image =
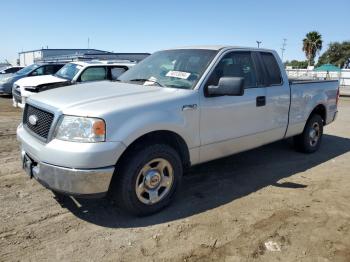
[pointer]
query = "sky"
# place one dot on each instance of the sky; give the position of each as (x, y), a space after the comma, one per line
(148, 26)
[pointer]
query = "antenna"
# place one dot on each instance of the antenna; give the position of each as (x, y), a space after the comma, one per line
(258, 42)
(284, 44)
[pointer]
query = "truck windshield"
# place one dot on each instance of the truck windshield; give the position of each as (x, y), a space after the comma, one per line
(68, 71)
(27, 69)
(181, 68)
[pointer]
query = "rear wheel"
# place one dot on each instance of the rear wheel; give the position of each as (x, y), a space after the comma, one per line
(148, 179)
(310, 140)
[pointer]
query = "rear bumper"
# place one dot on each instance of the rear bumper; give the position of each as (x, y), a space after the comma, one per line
(86, 183)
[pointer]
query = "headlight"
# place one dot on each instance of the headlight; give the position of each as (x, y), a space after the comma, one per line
(81, 129)
(4, 80)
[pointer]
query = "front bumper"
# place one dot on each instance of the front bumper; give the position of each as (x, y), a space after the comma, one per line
(86, 183)
(17, 102)
(78, 169)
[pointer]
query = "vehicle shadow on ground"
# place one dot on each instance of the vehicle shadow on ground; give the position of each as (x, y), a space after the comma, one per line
(216, 183)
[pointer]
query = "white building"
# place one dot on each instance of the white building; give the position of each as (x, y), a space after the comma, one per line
(30, 57)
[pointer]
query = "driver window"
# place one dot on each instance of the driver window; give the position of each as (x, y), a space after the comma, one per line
(235, 64)
(39, 71)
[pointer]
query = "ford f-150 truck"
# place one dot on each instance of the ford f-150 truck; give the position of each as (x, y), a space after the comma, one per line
(133, 138)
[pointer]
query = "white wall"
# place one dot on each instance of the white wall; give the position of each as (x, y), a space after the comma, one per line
(27, 58)
(343, 76)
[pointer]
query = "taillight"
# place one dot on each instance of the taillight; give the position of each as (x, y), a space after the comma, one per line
(337, 99)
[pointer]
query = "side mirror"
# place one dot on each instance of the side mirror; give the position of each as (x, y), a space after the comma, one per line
(35, 73)
(228, 86)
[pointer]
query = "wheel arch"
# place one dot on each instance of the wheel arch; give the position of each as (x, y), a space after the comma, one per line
(321, 110)
(167, 137)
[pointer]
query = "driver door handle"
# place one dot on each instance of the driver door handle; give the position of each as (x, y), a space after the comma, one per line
(189, 107)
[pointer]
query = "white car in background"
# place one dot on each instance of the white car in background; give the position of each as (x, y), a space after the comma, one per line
(70, 74)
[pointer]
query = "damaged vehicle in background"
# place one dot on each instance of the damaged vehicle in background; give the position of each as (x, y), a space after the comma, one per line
(38, 69)
(72, 73)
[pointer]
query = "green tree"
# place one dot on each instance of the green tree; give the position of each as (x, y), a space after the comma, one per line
(336, 54)
(312, 44)
(297, 64)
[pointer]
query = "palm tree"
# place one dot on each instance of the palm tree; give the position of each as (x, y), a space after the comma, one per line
(312, 44)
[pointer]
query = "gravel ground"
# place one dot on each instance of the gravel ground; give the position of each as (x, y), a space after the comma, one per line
(228, 210)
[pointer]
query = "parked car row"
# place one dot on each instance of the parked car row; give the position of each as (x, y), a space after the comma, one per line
(23, 82)
(9, 70)
(132, 139)
(70, 74)
(6, 83)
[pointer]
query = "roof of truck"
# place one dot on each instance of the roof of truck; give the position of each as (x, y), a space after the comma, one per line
(219, 47)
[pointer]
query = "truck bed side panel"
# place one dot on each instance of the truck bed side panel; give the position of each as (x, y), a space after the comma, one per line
(305, 96)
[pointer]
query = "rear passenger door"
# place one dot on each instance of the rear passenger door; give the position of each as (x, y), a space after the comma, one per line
(115, 72)
(277, 95)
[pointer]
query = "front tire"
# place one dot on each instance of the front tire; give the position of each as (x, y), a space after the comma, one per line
(310, 140)
(148, 179)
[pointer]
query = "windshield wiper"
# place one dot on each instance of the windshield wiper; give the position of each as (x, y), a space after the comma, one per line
(145, 80)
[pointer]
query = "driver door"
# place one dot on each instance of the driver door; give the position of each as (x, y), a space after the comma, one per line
(230, 124)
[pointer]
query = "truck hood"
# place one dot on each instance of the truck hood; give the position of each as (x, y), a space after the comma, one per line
(39, 80)
(100, 98)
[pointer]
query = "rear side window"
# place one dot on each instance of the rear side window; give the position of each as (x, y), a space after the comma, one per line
(12, 70)
(50, 69)
(94, 74)
(117, 72)
(39, 71)
(272, 68)
(58, 67)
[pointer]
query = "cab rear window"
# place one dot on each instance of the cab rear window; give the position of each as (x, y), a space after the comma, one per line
(272, 68)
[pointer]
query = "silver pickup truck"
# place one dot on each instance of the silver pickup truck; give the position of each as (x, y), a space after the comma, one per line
(180, 107)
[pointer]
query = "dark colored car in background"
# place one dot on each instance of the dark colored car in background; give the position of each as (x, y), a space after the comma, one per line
(31, 70)
(10, 70)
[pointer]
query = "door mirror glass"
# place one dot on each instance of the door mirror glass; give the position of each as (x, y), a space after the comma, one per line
(227, 86)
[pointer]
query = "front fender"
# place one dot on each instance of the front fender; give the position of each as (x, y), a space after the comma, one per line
(131, 125)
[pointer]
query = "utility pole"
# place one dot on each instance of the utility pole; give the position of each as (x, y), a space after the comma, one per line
(258, 42)
(283, 48)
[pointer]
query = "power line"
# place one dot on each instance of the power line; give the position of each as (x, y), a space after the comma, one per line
(283, 49)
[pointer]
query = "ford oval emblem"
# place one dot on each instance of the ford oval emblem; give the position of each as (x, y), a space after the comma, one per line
(33, 120)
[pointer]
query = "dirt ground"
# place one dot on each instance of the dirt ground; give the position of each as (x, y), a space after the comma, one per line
(226, 211)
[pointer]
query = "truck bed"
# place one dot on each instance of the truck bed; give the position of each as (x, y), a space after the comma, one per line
(295, 81)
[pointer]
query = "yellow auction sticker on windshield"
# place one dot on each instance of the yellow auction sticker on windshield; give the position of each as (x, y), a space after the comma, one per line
(178, 74)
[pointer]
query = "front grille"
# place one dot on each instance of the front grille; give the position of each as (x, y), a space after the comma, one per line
(43, 123)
